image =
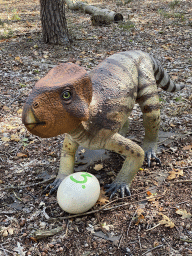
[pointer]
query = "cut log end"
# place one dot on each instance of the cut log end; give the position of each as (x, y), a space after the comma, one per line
(118, 17)
(102, 20)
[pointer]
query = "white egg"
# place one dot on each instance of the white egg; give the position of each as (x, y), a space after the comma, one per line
(78, 192)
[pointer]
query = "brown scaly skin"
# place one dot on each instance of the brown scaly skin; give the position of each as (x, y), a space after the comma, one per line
(93, 109)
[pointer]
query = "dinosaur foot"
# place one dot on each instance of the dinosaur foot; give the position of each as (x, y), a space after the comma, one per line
(149, 155)
(52, 187)
(114, 187)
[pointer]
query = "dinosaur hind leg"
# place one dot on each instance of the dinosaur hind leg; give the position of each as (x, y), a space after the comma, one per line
(148, 100)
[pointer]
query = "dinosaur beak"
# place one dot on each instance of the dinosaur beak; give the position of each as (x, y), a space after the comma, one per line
(28, 118)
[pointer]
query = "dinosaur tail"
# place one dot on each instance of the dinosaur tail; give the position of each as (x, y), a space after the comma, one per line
(162, 78)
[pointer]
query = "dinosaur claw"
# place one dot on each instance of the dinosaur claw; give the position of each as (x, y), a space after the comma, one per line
(115, 187)
(151, 155)
(53, 186)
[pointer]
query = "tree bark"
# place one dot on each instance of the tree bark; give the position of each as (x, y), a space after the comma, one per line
(54, 25)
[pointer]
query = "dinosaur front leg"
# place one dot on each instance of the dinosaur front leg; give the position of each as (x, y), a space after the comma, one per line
(124, 128)
(67, 161)
(134, 159)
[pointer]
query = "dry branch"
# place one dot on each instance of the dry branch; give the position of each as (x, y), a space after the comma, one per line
(99, 16)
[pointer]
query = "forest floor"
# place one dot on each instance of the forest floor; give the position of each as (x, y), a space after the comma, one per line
(156, 219)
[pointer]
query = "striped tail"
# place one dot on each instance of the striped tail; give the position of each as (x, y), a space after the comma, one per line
(162, 78)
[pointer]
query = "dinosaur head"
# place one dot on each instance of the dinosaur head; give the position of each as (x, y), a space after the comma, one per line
(59, 101)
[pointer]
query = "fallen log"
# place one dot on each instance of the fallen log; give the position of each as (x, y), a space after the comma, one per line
(99, 16)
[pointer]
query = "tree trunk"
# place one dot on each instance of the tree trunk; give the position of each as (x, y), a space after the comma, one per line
(54, 25)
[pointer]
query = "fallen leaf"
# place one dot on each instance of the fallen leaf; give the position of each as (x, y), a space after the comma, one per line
(107, 227)
(181, 163)
(6, 108)
(166, 221)
(169, 58)
(155, 244)
(139, 211)
(184, 213)
(28, 24)
(103, 199)
(151, 198)
(15, 137)
(5, 233)
(98, 167)
(188, 147)
(17, 58)
(19, 111)
(10, 230)
(165, 47)
(149, 193)
(5, 139)
(21, 155)
(139, 218)
(175, 174)
(156, 204)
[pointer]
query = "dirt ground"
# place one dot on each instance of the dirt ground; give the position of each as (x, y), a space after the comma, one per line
(156, 219)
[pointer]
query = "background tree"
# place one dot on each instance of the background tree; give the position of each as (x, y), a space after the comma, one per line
(54, 25)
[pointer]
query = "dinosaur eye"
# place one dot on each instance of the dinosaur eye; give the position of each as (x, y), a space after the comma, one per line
(66, 95)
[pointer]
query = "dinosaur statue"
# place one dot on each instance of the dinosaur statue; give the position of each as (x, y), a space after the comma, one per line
(92, 109)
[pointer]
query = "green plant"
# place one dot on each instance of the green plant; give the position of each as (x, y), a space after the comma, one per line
(161, 100)
(15, 15)
(126, 25)
(178, 98)
(179, 16)
(1, 23)
(174, 3)
(25, 142)
(22, 85)
(6, 34)
(168, 15)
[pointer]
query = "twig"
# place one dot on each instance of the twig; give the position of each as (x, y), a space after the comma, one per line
(39, 234)
(5, 250)
(30, 185)
(16, 196)
(120, 239)
(139, 237)
(131, 197)
(153, 227)
(98, 210)
(67, 228)
(130, 223)
(184, 167)
(7, 213)
(182, 181)
(184, 202)
(159, 246)
(185, 240)
(161, 142)
(102, 228)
